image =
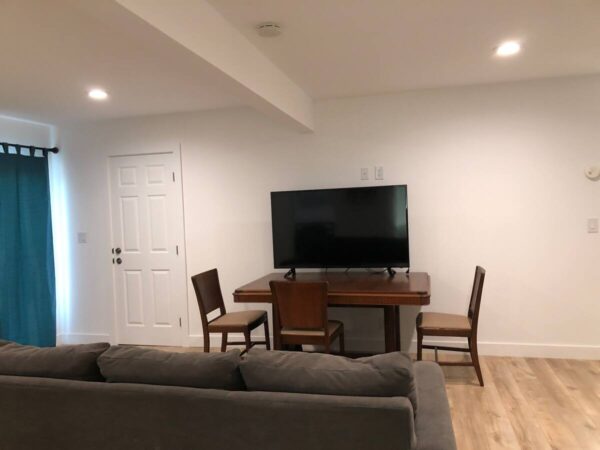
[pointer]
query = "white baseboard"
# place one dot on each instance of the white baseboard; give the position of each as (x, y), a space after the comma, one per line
(485, 348)
(527, 350)
(359, 345)
(197, 340)
(517, 349)
(81, 338)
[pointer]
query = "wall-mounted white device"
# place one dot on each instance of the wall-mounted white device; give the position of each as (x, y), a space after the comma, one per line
(593, 173)
(268, 29)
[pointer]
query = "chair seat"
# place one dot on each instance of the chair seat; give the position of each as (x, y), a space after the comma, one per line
(333, 325)
(441, 321)
(238, 320)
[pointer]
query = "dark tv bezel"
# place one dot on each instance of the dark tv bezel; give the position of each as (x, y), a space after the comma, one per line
(395, 264)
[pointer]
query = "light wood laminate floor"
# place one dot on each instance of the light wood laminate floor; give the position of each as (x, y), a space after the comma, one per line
(526, 404)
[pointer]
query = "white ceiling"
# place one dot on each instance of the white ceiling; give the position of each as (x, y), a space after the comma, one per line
(53, 51)
(336, 48)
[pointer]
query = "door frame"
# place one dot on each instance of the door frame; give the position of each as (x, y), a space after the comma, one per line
(182, 305)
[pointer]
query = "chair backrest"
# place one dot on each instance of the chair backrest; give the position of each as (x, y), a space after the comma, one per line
(300, 305)
(208, 293)
(475, 302)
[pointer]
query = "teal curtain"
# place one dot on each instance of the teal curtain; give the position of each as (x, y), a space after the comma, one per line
(27, 290)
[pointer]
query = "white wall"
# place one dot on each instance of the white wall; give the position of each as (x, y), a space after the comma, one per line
(18, 131)
(495, 177)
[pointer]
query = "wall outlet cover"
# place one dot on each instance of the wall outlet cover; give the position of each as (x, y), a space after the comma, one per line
(364, 173)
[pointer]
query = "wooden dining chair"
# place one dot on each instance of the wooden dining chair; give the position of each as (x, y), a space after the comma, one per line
(210, 298)
(301, 309)
(440, 324)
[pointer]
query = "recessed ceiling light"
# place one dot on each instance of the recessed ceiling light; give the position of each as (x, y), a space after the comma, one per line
(268, 29)
(98, 94)
(508, 48)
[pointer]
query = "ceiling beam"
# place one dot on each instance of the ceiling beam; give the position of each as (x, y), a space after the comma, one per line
(245, 71)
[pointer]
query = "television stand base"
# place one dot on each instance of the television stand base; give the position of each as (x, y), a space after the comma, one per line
(391, 272)
(291, 274)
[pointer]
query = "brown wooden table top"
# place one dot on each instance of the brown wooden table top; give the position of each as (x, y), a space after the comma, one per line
(352, 288)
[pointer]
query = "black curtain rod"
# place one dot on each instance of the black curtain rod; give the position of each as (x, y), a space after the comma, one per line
(32, 148)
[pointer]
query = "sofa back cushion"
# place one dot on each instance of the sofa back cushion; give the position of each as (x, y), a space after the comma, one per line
(148, 366)
(386, 375)
(69, 362)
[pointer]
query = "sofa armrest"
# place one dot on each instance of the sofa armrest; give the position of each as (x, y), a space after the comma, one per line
(433, 422)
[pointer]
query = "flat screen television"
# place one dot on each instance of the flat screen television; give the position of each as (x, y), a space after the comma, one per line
(341, 228)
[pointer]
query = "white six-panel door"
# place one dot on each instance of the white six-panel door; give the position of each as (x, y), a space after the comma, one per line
(149, 265)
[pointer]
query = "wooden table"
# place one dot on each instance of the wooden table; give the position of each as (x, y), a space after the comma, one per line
(354, 289)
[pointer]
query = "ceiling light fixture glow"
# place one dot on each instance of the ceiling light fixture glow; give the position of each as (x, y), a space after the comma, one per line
(508, 48)
(98, 94)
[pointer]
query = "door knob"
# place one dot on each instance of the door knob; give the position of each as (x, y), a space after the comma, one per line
(118, 250)
(119, 260)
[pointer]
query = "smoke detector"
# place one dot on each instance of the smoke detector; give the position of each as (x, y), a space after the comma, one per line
(593, 173)
(268, 29)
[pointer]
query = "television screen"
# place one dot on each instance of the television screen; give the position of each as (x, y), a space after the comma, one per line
(340, 228)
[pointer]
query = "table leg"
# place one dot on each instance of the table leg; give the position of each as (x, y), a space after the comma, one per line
(397, 326)
(276, 330)
(392, 328)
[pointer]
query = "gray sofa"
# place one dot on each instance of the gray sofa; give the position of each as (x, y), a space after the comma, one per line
(53, 413)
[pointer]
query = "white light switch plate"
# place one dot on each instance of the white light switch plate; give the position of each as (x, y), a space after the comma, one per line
(379, 172)
(592, 226)
(364, 173)
(81, 238)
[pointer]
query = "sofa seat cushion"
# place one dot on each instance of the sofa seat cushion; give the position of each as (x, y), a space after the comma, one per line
(386, 375)
(69, 362)
(124, 364)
